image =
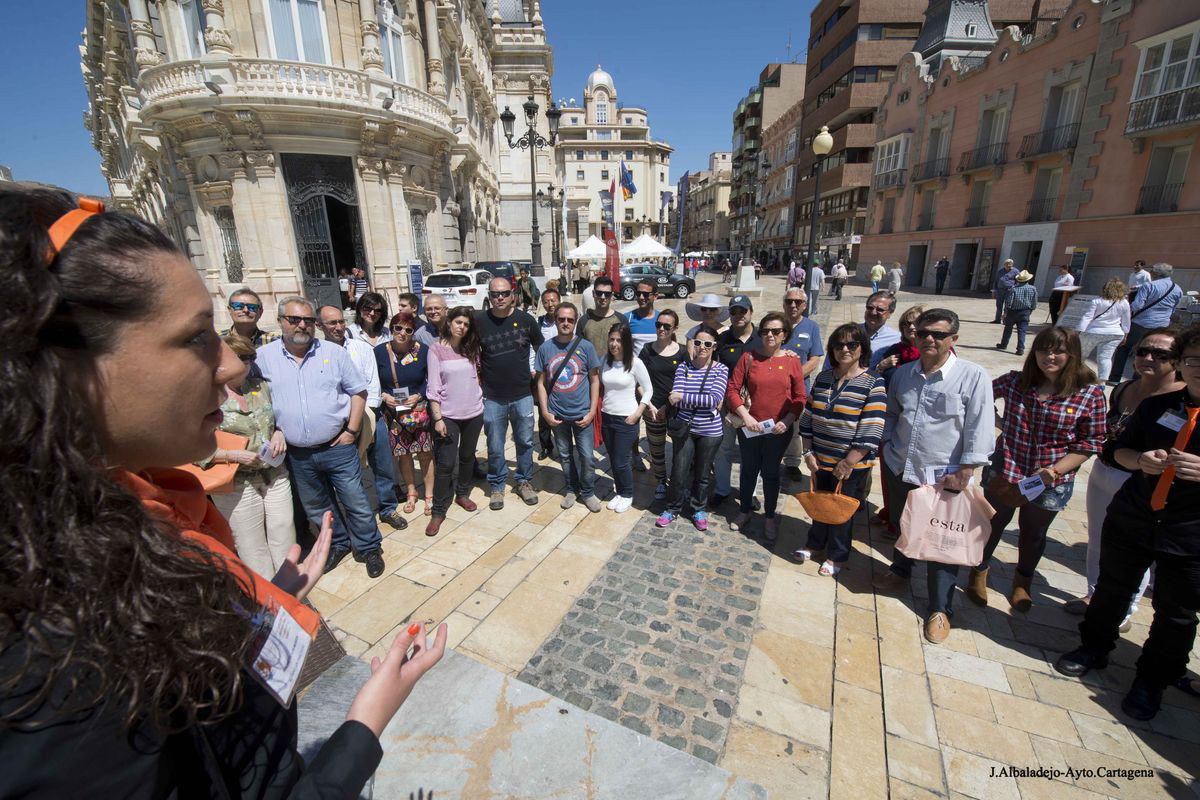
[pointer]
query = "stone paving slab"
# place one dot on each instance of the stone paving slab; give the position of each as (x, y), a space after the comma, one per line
(468, 731)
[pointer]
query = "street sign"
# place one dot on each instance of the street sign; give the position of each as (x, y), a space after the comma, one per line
(416, 282)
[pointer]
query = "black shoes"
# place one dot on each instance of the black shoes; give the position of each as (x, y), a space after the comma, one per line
(1080, 662)
(716, 500)
(336, 554)
(373, 560)
(1143, 700)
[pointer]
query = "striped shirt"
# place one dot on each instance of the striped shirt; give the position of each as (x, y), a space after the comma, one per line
(838, 420)
(703, 410)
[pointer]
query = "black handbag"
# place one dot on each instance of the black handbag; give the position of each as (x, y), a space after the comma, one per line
(678, 426)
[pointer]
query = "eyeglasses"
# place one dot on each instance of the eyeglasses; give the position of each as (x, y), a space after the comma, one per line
(664, 326)
(402, 329)
(500, 293)
(852, 346)
(253, 308)
(645, 294)
(788, 301)
(739, 311)
(1191, 361)
(297, 321)
(598, 293)
(939, 335)
(704, 344)
(771, 331)
(878, 310)
(562, 320)
(1156, 353)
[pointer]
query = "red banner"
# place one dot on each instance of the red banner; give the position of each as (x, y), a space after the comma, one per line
(612, 261)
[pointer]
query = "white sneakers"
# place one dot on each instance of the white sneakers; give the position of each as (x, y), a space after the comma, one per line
(620, 504)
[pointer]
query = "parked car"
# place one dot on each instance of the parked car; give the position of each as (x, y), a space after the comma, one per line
(511, 270)
(460, 287)
(669, 283)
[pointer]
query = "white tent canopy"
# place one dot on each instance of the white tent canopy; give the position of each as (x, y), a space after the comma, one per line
(591, 249)
(645, 246)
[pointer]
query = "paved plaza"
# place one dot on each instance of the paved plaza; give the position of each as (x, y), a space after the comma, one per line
(722, 648)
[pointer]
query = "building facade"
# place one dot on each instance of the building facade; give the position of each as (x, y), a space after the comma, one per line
(706, 210)
(1075, 141)
(283, 142)
(595, 136)
(775, 215)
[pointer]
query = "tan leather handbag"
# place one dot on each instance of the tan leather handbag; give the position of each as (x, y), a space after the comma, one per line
(832, 508)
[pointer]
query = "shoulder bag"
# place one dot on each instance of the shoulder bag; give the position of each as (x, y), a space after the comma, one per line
(563, 364)
(677, 425)
(1157, 300)
(411, 419)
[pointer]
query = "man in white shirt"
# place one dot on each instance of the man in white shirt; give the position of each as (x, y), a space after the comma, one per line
(840, 276)
(1138, 278)
(816, 279)
(939, 428)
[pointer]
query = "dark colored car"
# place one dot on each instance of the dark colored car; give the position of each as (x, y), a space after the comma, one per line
(499, 269)
(669, 283)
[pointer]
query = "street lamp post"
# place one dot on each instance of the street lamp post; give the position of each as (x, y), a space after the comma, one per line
(822, 144)
(533, 141)
(550, 199)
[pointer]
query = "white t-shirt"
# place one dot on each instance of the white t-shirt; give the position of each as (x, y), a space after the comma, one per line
(816, 278)
(620, 399)
(1063, 281)
(1139, 278)
(1106, 318)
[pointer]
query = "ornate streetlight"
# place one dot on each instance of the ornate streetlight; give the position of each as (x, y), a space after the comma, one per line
(533, 141)
(822, 144)
(551, 199)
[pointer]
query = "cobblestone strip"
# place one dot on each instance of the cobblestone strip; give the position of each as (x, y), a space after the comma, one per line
(658, 642)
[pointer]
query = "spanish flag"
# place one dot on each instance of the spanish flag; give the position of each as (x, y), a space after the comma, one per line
(628, 190)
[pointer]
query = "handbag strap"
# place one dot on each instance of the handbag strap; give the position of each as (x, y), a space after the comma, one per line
(703, 383)
(563, 364)
(1157, 300)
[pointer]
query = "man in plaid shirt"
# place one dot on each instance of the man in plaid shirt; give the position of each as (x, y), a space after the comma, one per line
(1022, 300)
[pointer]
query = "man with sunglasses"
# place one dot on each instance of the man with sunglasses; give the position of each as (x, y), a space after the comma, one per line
(319, 398)
(939, 428)
(246, 309)
(641, 319)
(506, 336)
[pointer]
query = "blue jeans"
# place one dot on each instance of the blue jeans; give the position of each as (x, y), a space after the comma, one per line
(940, 578)
(1018, 318)
(496, 417)
(576, 454)
(874, 286)
(723, 462)
(330, 479)
(379, 459)
(813, 295)
(619, 437)
(1001, 299)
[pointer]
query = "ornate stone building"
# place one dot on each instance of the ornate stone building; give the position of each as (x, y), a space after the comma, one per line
(706, 210)
(282, 142)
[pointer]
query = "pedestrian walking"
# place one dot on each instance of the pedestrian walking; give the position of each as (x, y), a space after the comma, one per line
(816, 279)
(795, 276)
(623, 378)
(877, 273)
(1006, 279)
(895, 278)
(1151, 308)
(662, 358)
(1054, 420)
(941, 271)
(726, 269)
(1022, 300)
(840, 278)
(1105, 324)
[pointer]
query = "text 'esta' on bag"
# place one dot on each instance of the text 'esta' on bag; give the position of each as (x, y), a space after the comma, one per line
(945, 527)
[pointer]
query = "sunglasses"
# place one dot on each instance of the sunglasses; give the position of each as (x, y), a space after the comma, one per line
(501, 293)
(561, 320)
(372, 310)
(402, 329)
(664, 326)
(300, 320)
(847, 346)
(705, 345)
(598, 293)
(794, 302)
(938, 335)
(737, 312)
(645, 294)
(1156, 353)
(771, 331)
(253, 308)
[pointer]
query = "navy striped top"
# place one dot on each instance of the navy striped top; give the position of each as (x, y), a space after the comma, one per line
(704, 410)
(837, 420)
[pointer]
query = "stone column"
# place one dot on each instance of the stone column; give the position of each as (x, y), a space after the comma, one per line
(216, 38)
(372, 56)
(433, 52)
(400, 222)
(145, 49)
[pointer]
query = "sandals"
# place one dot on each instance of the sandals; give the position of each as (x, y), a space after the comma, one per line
(829, 569)
(410, 504)
(428, 504)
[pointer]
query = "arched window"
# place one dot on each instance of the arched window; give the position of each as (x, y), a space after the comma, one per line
(391, 40)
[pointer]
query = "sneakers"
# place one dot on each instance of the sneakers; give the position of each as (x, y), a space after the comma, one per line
(623, 504)
(568, 500)
(1001, 347)
(394, 519)
(497, 500)
(700, 520)
(336, 554)
(665, 519)
(1080, 662)
(612, 502)
(527, 493)
(660, 491)
(374, 562)
(937, 628)
(1143, 700)
(593, 504)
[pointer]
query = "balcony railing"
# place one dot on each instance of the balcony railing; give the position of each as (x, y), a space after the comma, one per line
(1050, 140)
(976, 216)
(1172, 108)
(1041, 210)
(986, 156)
(928, 170)
(925, 221)
(894, 177)
(1159, 199)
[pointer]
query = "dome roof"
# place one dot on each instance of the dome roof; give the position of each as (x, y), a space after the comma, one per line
(600, 78)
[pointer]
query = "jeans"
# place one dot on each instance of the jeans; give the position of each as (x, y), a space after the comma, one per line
(619, 437)
(1103, 345)
(835, 539)
(1103, 485)
(259, 510)
(544, 431)
(330, 479)
(940, 578)
(382, 464)
(762, 454)
(723, 462)
(1033, 522)
(813, 295)
(454, 460)
(656, 439)
(1125, 555)
(1001, 299)
(1020, 319)
(496, 417)
(576, 453)
(874, 286)
(1136, 332)
(693, 459)
(941, 281)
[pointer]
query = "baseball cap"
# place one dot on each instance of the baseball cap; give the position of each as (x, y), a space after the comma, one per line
(741, 301)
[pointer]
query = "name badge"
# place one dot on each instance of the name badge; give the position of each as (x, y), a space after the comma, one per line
(1172, 420)
(277, 663)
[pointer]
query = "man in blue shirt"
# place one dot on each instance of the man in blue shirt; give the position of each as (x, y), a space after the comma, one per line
(1151, 308)
(642, 319)
(1006, 278)
(805, 342)
(319, 398)
(568, 390)
(880, 307)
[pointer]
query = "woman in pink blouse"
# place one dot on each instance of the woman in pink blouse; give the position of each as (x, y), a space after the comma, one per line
(456, 405)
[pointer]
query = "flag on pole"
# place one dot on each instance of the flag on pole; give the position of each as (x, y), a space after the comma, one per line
(628, 190)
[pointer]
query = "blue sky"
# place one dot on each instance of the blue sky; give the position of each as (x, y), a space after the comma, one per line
(688, 63)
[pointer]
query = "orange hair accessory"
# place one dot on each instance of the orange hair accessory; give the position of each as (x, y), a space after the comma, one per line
(66, 225)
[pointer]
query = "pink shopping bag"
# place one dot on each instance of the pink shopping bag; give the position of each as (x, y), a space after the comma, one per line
(946, 527)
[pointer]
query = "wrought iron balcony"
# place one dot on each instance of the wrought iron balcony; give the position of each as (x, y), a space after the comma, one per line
(1159, 199)
(1041, 210)
(925, 221)
(976, 216)
(986, 156)
(928, 170)
(894, 177)
(1050, 140)
(1172, 108)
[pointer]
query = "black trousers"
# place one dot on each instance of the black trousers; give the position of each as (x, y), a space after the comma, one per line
(454, 459)
(1126, 552)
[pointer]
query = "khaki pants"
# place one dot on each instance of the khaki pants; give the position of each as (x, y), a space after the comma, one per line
(259, 510)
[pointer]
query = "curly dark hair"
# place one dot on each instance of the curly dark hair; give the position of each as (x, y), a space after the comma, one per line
(470, 345)
(100, 604)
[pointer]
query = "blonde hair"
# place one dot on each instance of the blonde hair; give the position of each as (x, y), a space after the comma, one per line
(911, 315)
(1114, 289)
(240, 345)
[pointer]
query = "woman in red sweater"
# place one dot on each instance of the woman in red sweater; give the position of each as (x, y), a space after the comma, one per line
(766, 395)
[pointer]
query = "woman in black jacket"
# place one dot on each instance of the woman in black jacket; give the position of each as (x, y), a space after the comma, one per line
(139, 657)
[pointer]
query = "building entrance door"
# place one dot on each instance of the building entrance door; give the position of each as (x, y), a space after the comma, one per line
(914, 271)
(324, 206)
(962, 266)
(1025, 255)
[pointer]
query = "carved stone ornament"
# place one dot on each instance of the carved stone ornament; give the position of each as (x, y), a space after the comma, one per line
(371, 57)
(213, 6)
(218, 39)
(215, 194)
(261, 161)
(396, 141)
(253, 125)
(232, 163)
(370, 166)
(215, 120)
(396, 168)
(452, 208)
(418, 176)
(146, 58)
(370, 129)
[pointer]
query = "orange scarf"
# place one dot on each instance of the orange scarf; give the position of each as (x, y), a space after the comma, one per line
(177, 498)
